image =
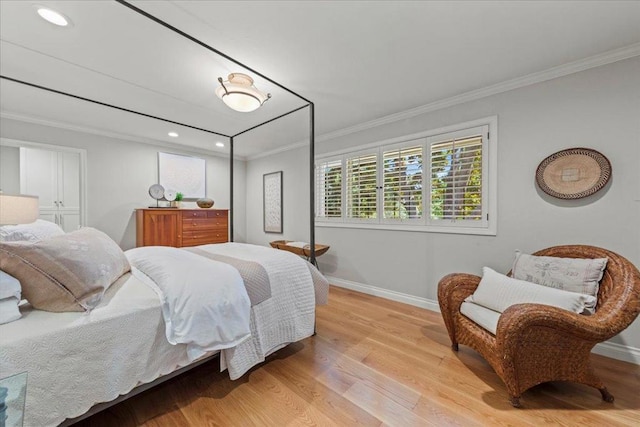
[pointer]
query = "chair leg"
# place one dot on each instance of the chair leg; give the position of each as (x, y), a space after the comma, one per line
(606, 396)
(515, 401)
(454, 346)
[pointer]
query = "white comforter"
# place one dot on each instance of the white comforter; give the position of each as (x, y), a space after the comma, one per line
(204, 301)
(75, 360)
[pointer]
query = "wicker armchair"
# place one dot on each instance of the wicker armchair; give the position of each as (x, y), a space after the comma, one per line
(537, 343)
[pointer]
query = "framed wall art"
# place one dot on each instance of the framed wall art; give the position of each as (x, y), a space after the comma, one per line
(272, 202)
(184, 174)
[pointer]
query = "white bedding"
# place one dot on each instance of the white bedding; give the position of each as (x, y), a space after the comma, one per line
(75, 360)
(288, 316)
(204, 302)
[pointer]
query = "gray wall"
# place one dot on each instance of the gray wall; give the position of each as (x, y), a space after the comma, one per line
(10, 170)
(597, 108)
(294, 165)
(120, 172)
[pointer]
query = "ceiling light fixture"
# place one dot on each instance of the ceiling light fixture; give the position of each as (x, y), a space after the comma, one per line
(220, 144)
(54, 17)
(173, 134)
(239, 93)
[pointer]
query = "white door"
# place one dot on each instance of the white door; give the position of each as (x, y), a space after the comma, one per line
(69, 221)
(69, 181)
(39, 176)
(51, 216)
(53, 176)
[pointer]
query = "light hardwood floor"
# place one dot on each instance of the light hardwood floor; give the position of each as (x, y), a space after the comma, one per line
(374, 362)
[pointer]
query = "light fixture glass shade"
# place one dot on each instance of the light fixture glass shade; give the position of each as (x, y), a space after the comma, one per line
(239, 93)
(18, 209)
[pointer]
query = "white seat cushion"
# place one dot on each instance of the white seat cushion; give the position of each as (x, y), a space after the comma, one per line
(484, 317)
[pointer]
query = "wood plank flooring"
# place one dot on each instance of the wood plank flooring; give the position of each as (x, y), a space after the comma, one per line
(374, 362)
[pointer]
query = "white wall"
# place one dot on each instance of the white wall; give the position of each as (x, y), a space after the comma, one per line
(597, 108)
(120, 172)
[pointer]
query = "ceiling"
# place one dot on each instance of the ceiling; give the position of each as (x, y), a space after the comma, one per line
(357, 61)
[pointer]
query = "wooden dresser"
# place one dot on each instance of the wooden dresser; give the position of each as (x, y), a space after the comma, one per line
(181, 227)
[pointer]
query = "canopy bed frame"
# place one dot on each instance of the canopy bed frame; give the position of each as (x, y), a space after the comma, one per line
(231, 138)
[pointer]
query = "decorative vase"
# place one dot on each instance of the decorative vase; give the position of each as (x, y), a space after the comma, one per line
(204, 203)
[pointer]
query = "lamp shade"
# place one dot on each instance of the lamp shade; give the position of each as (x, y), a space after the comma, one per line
(18, 209)
(239, 93)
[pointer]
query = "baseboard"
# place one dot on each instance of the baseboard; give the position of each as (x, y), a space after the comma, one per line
(618, 351)
(429, 304)
(608, 349)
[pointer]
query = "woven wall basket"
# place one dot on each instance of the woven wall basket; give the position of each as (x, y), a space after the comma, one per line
(573, 173)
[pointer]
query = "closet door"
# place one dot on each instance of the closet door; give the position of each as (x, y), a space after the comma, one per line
(69, 221)
(69, 182)
(39, 177)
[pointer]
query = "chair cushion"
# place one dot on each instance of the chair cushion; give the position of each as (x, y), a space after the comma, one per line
(568, 274)
(497, 292)
(488, 319)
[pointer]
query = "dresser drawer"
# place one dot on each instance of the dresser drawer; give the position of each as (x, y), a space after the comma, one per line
(191, 238)
(189, 224)
(204, 213)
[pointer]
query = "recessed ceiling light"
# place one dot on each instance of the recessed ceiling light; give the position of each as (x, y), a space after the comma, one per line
(220, 144)
(173, 134)
(54, 17)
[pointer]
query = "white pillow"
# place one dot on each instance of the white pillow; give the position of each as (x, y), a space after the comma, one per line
(34, 232)
(10, 292)
(9, 310)
(9, 286)
(568, 274)
(498, 292)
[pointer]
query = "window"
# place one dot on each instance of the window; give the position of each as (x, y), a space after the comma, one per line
(329, 189)
(362, 187)
(402, 183)
(456, 177)
(434, 181)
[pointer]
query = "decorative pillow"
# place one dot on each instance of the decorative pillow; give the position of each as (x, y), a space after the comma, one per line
(34, 232)
(65, 273)
(497, 292)
(568, 274)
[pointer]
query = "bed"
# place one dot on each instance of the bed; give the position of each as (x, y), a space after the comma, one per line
(76, 360)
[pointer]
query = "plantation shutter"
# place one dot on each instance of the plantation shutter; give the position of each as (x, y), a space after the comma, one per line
(402, 183)
(329, 189)
(361, 186)
(457, 189)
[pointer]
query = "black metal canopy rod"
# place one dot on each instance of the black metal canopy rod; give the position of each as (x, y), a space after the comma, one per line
(104, 104)
(271, 120)
(206, 46)
(312, 257)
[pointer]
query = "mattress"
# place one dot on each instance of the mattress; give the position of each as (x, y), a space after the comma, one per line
(75, 360)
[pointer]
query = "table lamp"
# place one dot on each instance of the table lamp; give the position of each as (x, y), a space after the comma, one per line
(18, 209)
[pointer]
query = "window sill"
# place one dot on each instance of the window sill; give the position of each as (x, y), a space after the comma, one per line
(414, 228)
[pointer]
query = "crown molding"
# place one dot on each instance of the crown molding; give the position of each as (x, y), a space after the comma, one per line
(115, 135)
(605, 58)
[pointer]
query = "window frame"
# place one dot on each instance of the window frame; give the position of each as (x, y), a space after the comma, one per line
(486, 226)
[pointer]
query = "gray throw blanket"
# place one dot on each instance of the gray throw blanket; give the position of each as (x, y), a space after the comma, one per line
(254, 276)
